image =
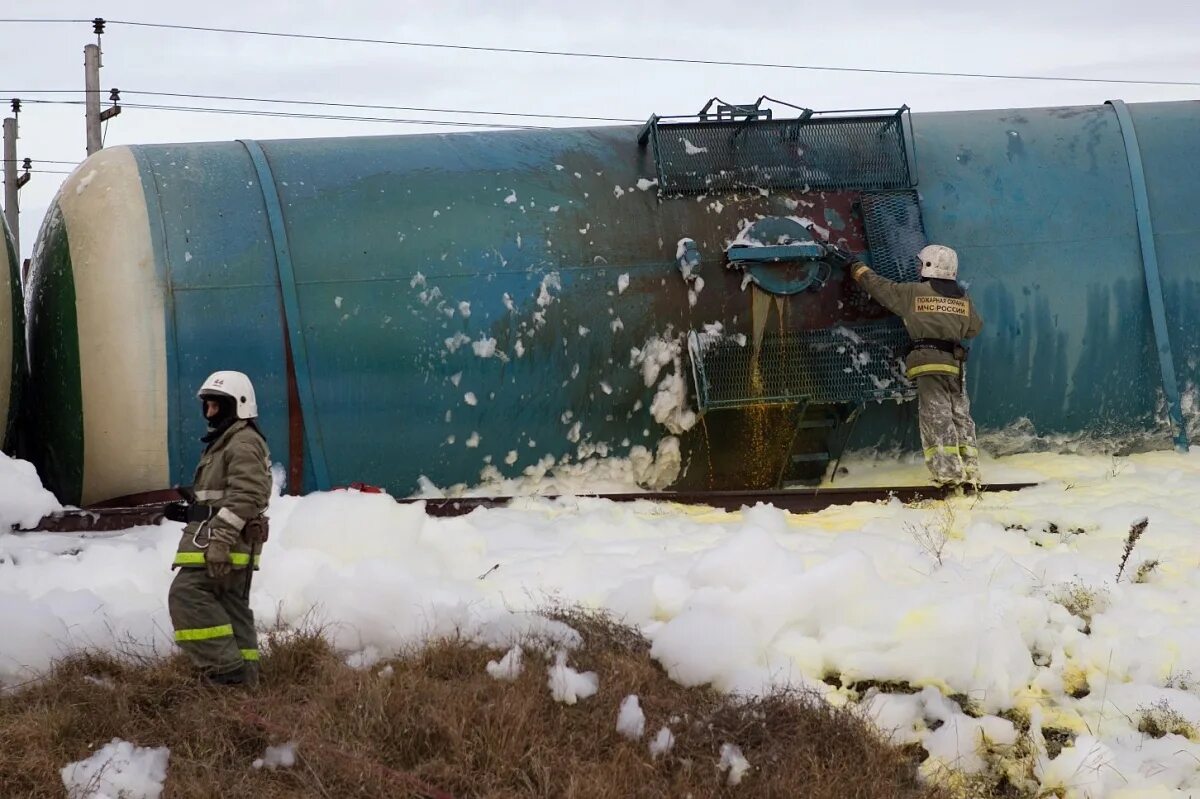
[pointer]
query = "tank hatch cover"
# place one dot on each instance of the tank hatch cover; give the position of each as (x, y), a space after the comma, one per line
(780, 256)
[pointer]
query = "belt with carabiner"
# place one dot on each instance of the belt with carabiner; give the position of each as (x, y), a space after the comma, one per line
(202, 514)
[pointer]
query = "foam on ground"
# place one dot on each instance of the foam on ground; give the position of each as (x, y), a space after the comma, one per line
(1009, 602)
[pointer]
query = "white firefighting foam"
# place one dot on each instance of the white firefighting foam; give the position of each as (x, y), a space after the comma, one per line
(1010, 602)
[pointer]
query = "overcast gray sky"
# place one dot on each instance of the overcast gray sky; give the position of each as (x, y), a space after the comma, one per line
(1098, 38)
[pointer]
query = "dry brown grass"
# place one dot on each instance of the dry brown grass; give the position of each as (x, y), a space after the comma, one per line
(438, 723)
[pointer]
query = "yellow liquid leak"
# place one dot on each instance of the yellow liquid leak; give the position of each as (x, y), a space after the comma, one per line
(770, 427)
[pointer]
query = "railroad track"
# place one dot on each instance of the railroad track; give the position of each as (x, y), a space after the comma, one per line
(806, 500)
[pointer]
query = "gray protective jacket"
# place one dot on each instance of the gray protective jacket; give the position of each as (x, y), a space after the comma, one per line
(926, 314)
(234, 480)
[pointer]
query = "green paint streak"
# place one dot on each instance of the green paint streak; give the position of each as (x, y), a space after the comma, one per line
(53, 430)
(16, 386)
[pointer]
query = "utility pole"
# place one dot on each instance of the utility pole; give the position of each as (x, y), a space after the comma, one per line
(10, 179)
(91, 85)
(12, 184)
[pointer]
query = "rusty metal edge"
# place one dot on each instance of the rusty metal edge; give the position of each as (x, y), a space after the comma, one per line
(797, 500)
(109, 519)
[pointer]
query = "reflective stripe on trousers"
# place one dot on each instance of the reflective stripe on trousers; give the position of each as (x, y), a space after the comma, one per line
(205, 633)
(964, 450)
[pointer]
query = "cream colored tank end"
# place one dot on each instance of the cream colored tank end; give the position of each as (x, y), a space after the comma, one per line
(120, 301)
(8, 334)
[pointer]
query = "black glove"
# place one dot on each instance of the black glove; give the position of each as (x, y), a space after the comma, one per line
(176, 512)
(837, 256)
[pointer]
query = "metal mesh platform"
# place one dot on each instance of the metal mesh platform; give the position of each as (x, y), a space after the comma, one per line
(835, 365)
(865, 152)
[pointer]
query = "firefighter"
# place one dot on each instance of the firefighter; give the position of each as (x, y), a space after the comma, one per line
(225, 527)
(938, 315)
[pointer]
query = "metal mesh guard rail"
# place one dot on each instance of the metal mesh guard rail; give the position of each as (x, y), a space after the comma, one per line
(834, 365)
(865, 153)
(895, 233)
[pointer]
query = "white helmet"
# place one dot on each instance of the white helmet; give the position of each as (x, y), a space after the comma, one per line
(939, 261)
(236, 386)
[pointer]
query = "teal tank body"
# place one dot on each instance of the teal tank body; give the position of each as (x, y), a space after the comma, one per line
(454, 305)
(1039, 205)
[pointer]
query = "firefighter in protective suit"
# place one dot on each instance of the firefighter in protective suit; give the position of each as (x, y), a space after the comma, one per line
(938, 315)
(225, 528)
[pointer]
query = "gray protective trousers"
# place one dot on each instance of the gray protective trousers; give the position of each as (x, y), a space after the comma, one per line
(947, 430)
(213, 624)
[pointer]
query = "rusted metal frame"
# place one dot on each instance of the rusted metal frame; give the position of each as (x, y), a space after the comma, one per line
(795, 500)
(295, 484)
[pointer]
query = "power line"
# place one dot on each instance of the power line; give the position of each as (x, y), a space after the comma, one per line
(46, 21)
(330, 104)
(379, 107)
(653, 59)
(336, 117)
(298, 115)
(624, 57)
(38, 161)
